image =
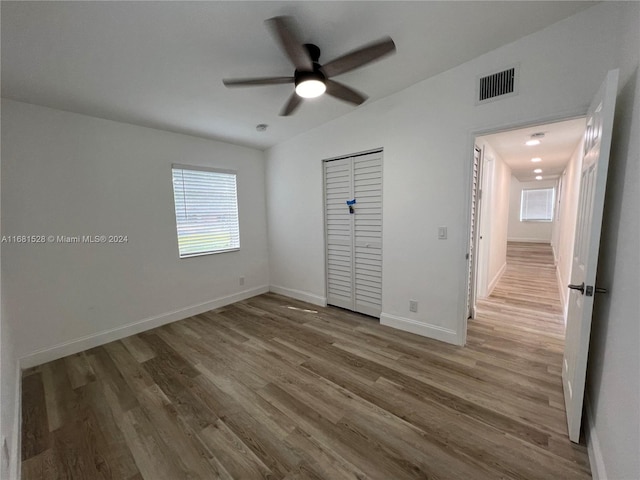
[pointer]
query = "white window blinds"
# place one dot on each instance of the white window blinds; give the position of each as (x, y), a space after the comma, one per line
(537, 205)
(206, 205)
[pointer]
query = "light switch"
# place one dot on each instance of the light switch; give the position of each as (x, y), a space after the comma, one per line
(442, 233)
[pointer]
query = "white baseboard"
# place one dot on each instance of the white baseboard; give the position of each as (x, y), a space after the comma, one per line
(496, 279)
(299, 295)
(596, 460)
(90, 341)
(420, 328)
(528, 240)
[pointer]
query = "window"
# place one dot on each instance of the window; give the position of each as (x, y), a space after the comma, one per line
(206, 204)
(536, 205)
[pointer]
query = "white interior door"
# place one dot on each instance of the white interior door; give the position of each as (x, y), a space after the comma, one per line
(354, 238)
(593, 181)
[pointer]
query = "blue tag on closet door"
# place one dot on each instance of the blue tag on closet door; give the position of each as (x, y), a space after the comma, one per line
(350, 204)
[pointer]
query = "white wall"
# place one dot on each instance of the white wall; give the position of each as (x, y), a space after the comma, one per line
(427, 133)
(494, 219)
(9, 392)
(69, 174)
(539, 232)
(564, 225)
(613, 383)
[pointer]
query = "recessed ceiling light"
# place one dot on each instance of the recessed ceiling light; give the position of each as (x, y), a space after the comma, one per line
(537, 170)
(536, 159)
(535, 139)
(539, 177)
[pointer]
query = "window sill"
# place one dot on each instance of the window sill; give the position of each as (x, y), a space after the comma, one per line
(191, 255)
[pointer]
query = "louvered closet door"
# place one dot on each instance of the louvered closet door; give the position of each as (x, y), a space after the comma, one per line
(367, 180)
(473, 240)
(354, 241)
(339, 233)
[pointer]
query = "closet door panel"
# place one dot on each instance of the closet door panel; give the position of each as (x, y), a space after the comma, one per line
(339, 233)
(367, 181)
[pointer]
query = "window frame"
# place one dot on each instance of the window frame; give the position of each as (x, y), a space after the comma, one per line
(552, 203)
(199, 168)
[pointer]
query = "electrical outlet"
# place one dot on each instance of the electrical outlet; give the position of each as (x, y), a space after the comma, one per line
(442, 233)
(413, 306)
(241, 281)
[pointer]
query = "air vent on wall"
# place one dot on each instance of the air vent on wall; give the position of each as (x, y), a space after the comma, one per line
(497, 85)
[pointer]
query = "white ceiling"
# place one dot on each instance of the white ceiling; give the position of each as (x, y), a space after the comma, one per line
(161, 64)
(556, 147)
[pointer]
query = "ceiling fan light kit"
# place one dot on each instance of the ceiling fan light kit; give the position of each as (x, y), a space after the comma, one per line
(311, 88)
(310, 84)
(310, 78)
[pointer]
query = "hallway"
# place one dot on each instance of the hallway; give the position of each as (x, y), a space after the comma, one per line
(527, 294)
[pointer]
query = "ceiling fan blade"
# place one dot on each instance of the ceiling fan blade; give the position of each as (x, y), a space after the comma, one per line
(248, 82)
(294, 102)
(359, 57)
(341, 91)
(283, 29)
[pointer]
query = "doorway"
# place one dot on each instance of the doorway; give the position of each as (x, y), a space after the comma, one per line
(525, 205)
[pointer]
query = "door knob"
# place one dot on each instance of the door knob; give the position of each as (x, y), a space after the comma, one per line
(578, 287)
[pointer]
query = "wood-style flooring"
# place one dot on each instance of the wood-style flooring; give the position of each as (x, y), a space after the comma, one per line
(275, 388)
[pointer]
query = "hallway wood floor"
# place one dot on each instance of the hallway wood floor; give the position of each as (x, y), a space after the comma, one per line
(275, 388)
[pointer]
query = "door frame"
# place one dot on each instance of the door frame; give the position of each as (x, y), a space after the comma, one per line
(468, 175)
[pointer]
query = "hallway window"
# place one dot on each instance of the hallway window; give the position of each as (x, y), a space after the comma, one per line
(536, 205)
(206, 203)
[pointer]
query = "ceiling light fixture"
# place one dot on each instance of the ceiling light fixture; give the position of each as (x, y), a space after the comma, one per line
(312, 79)
(310, 84)
(537, 170)
(536, 159)
(535, 139)
(539, 177)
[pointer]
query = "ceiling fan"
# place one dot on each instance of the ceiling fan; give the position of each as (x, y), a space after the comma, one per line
(311, 79)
